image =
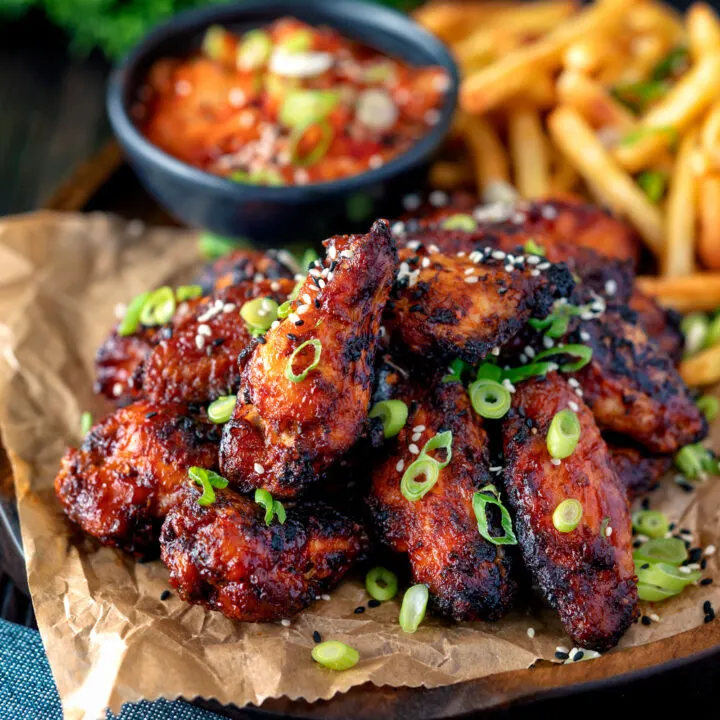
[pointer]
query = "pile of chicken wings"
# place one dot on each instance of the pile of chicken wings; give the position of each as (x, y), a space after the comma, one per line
(390, 311)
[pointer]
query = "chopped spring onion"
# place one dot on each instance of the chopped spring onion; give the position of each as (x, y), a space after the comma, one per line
(556, 324)
(159, 308)
(638, 95)
(695, 461)
(188, 292)
(208, 480)
(376, 109)
(214, 246)
(489, 399)
(675, 62)
(301, 108)
(296, 290)
(666, 576)
(709, 406)
(254, 50)
(668, 550)
(272, 507)
(413, 490)
(652, 523)
(460, 221)
(455, 371)
(713, 333)
(653, 184)
(567, 515)
(518, 374)
(532, 248)
(489, 495)
(86, 422)
(308, 258)
(583, 353)
(651, 593)
(131, 321)
(261, 176)
(381, 584)
(284, 310)
(441, 441)
(384, 71)
(335, 655)
(299, 64)
(300, 40)
(215, 41)
(392, 413)
(414, 605)
(695, 328)
(259, 313)
(563, 434)
(488, 371)
(290, 374)
(221, 410)
(318, 152)
(641, 133)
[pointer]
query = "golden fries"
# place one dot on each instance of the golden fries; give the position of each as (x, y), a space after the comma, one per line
(703, 30)
(451, 21)
(529, 153)
(709, 211)
(577, 141)
(489, 157)
(703, 368)
(448, 175)
(699, 292)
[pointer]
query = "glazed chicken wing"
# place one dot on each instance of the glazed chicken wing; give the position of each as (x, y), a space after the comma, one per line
(240, 266)
(469, 578)
(637, 470)
(224, 557)
(445, 307)
(587, 574)
(129, 471)
(305, 389)
(661, 324)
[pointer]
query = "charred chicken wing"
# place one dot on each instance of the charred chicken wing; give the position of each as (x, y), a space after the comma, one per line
(638, 471)
(305, 389)
(240, 266)
(587, 574)
(129, 471)
(224, 556)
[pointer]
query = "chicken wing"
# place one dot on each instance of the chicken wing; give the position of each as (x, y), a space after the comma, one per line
(224, 557)
(305, 389)
(661, 324)
(449, 306)
(198, 361)
(129, 471)
(469, 578)
(587, 574)
(240, 266)
(638, 471)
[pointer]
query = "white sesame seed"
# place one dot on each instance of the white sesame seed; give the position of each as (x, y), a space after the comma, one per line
(204, 330)
(419, 428)
(306, 298)
(509, 268)
(325, 597)
(321, 284)
(398, 228)
(533, 260)
(228, 307)
(433, 249)
(472, 279)
(285, 622)
(411, 202)
(414, 449)
(548, 342)
(709, 550)
(332, 252)
(496, 468)
(498, 254)
(534, 273)
(608, 531)
(258, 468)
(555, 461)
(400, 465)
(573, 406)
(584, 335)
(117, 389)
(611, 287)
(529, 351)
(579, 392)
(414, 244)
(508, 385)
(684, 569)
(199, 342)
(302, 309)
(469, 271)
(654, 617)
(531, 632)
(425, 262)
(495, 351)
(562, 649)
(293, 317)
(120, 310)
(275, 324)
(573, 383)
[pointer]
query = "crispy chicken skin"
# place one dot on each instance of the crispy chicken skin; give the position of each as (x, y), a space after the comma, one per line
(437, 313)
(284, 435)
(129, 471)
(661, 325)
(189, 366)
(468, 577)
(588, 576)
(633, 388)
(224, 557)
(638, 471)
(242, 265)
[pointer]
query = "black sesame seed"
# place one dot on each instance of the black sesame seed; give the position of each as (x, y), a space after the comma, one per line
(290, 336)
(706, 581)
(261, 339)
(645, 620)
(686, 531)
(562, 655)
(299, 323)
(645, 566)
(703, 563)
(150, 415)
(416, 308)
(579, 655)
(164, 595)
(637, 543)
(376, 603)
(316, 636)
(707, 606)
(696, 555)
(645, 504)
(359, 610)
(333, 265)
(317, 303)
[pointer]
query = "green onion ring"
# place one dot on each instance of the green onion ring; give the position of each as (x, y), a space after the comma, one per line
(666, 576)
(455, 371)
(651, 523)
(563, 434)
(159, 307)
(670, 550)
(319, 151)
(582, 352)
(220, 411)
(208, 480)
(489, 371)
(489, 399)
(532, 248)
(694, 328)
(131, 321)
(441, 441)
(414, 491)
(381, 584)
(414, 605)
(86, 423)
(459, 221)
(392, 413)
(489, 495)
(651, 593)
(335, 655)
(709, 406)
(188, 292)
(259, 313)
(272, 507)
(290, 373)
(567, 515)
(518, 374)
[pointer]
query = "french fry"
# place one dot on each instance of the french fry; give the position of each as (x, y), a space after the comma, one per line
(593, 101)
(489, 157)
(703, 26)
(589, 54)
(709, 238)
(541, 93)
(710, 138)
(529, 152)
(656, 19)
(703, 368)
(490, 86)
(451, 21)
(694, 92)
(699, 292)
(564, 177)
(646, 52)
(679, 251)
(575, 138)
(448, 175)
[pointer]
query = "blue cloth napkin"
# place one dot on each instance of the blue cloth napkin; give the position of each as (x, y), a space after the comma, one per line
(27, 690)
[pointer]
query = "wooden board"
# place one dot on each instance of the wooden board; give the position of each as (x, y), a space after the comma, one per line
(107, 184)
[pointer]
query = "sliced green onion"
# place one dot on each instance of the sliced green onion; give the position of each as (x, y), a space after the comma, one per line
(423, 466)
(695, 328)
(695, 461)
(557, 322)
(259, 313)
(381, 584)
(131, 321)
(653, 184)
(709, 406)
(308, 258)
(651, 593)
(260, 176)
(666, 576)
(675, 62)
(159, 308)
(532, 248)
(320, 149)
(488, 371)
(214, 246)
(213, 44)
(567, 515)
(284, 310)
(254, 50)
(221, 410)
(296, 290)
(335, 655)
(489, 495)
(641, 133)
(86, 423)
(563, 434)
(290, 374)
(383, 71)
(604, 526)
(273, 508)
(638, 95)
(392, 413)
(208, 480)
(459, 221)
(518, 374)
(414, 605)
(441, 441)
(301, 108)
(668, 550)
(713, 333)
(188, 292)
(489, 399)
(455, 371)
(582, 352)
(300, 40)
(651, 523)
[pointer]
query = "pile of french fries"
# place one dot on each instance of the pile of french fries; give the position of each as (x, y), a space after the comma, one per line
(618, 101)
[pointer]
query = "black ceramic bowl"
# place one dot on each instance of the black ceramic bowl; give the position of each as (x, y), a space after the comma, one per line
(276, 215)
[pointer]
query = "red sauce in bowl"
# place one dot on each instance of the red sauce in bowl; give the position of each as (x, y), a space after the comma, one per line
(288, 104)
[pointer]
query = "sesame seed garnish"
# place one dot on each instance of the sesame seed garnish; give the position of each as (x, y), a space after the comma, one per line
(317, 637)
(706, 581)
(531, 632)
(359, 610)
(164, 595)
(608, 531)
(645, 620)
(509, 268)
(498, 254)
(573, 383)
(573, 406)
(611, 287)
(416, 437)
(117, 389)
(199, 342)
(398, 228)
(258, 468)
(495, 351)
(302, 309)
(204, 330)
(419, 428)
(469, 271)
(654, 617)
(347, 254)
(373, 603)
(472, 279)
(400, 465)
(325, 597)
(275, 324)
(548, 342)
(293, 317)
(555, 461)
(437, 198)
(414, 449)
(425, 262)
(709, 550)
(285, 622)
